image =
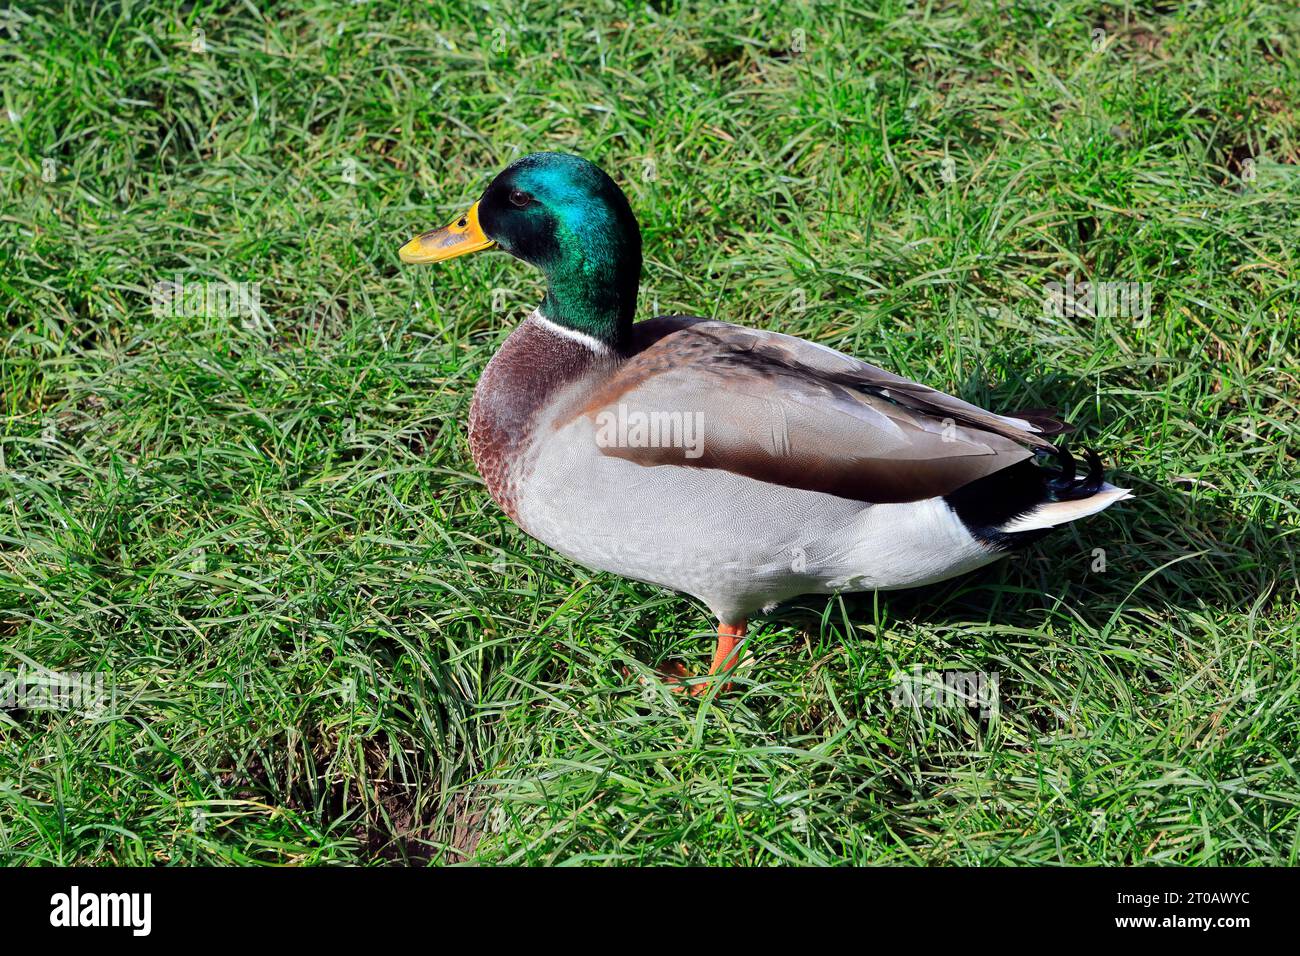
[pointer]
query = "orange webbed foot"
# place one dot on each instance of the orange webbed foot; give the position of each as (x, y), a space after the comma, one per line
(725, 658)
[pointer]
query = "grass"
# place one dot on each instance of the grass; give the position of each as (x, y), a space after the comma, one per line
(327, 645)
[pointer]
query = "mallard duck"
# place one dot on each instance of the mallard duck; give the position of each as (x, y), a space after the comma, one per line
(741, 466)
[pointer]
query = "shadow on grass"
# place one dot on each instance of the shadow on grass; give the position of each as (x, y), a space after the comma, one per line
(1164, 549)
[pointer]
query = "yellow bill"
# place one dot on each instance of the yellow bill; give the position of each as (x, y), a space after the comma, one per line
(452, 240)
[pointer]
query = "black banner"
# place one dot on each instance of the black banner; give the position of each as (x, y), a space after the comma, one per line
(304, 905)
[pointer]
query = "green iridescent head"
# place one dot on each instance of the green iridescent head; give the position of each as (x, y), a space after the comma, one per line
(565, 216)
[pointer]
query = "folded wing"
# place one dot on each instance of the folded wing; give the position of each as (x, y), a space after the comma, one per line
(703, 394)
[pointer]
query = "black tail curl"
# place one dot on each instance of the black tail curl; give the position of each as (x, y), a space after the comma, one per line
(1064, 485)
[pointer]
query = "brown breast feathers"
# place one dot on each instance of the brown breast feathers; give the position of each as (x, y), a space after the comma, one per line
(528, 370)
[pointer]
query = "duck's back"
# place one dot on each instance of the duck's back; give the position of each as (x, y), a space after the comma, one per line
(741, 466)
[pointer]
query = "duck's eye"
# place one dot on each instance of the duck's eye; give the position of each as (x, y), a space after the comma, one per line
(520, 198)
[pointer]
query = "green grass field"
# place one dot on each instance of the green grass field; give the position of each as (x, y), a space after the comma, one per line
(324, 642)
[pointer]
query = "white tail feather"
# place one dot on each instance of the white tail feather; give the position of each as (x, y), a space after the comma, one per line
(1052, 513)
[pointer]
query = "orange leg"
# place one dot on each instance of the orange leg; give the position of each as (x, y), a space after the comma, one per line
(725, 658)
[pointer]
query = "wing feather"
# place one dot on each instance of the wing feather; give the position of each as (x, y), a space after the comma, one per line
(705, 394)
